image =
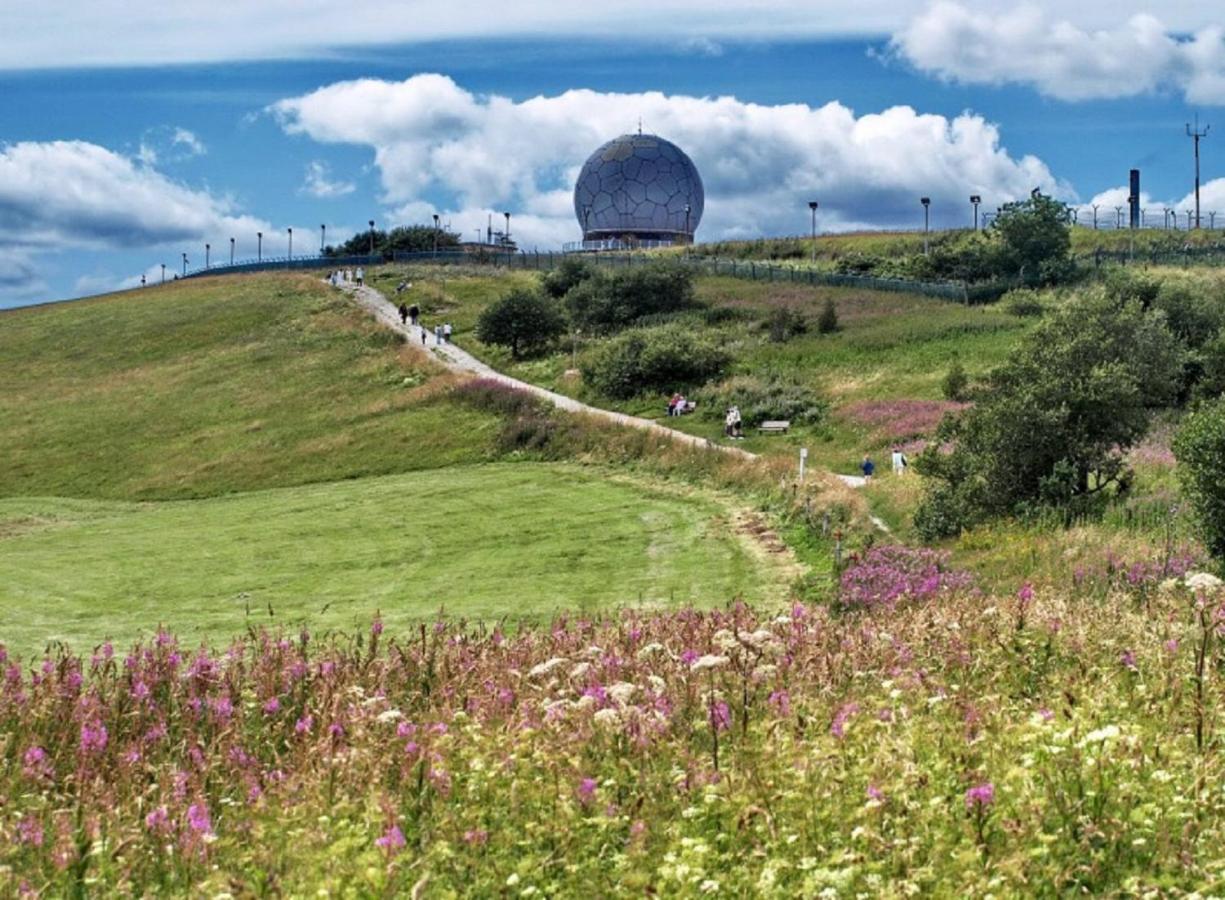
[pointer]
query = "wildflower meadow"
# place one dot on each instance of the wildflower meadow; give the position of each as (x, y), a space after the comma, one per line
(923, 740)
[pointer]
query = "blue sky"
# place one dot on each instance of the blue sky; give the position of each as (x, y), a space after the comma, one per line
(108, 171)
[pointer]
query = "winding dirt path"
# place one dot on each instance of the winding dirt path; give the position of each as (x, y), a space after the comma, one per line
(459, 360)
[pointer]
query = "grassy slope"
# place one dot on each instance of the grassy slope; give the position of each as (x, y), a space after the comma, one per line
(215, 386)
(519, 541)
(215, 391)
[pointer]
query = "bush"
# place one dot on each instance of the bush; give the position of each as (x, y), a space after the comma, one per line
(653, 359)
(760, 399)
(956, 382)
(827, 322)
(605, 302)
(785, 323)
(572, 272)
(1199, 448)
(524, 320)
(1023, 302)
(887, 575)
(494, 396)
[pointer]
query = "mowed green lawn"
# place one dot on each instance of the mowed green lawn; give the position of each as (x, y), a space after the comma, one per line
(516, 541)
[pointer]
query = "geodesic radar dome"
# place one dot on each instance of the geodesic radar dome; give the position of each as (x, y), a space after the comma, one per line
(639, 185)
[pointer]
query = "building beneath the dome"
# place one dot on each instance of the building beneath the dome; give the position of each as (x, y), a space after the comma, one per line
(638, 190)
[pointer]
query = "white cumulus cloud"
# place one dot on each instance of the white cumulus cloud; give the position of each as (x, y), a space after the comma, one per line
(1038, 46)
(760, 164)
(320, 184)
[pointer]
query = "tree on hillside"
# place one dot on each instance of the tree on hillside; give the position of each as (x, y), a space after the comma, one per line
(573, 271)
(1035, 238)
(523, 320)
(1051, 425)
(401, 239)
(1200, 450)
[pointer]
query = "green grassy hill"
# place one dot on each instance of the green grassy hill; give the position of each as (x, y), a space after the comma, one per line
(177, 455)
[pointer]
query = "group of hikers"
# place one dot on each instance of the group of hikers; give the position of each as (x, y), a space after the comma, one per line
(347, 276)
(899, 460)
(410, 315)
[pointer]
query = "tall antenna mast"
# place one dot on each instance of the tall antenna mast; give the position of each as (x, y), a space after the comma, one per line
(1195, 134)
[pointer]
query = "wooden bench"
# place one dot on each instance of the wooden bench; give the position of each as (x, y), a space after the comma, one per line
(780, 427)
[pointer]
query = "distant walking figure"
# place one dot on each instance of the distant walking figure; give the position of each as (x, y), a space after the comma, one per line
(413, 313)
(867, 467)
(899, 461)
(437, 335)
(403, 314)
(422, 335)
(361, 275)
(446, 332)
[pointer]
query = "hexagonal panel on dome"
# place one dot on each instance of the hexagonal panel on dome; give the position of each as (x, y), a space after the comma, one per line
(639, 185)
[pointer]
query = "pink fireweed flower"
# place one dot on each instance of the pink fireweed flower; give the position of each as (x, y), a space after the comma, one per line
(781, 701)
(586, 790)
(304, 725)
(1128, 659)
(875, 793)
(223, 708)
(720, 716)
(392, 840)
(198, 819)
(476, 837)
(272, 707)
(30, 831)
(93, 736)
(1171, 646)
(838, 727)
(140, 691)
(980, 796)
(1026, 592)
(376, 627)
(35, 764)
(406, 729)
(158, 820)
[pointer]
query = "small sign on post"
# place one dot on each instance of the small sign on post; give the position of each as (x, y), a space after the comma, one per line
(803, 461)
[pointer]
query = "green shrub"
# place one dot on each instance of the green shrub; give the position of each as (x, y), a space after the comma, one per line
(609, 302)
(572, 272)
(1023, 302)
(1199, 448)
(956, 382)
(760, 399)
(653, 359)
(827, 322)
(785, 323)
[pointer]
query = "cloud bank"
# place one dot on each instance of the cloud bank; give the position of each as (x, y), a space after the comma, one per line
(60, 195)
(760, 164)
(1031, 45)
(73, 33)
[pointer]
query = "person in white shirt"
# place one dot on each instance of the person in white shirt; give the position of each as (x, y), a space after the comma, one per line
(899, 461)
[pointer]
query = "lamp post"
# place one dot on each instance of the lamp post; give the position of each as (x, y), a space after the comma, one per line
(975, 199)
(207, 248)
(372, 237)
(1212, 219)
(163, 273)
(1131, 232)
(1195, 135)
(1118, 217)
(290, 245)
(259, 246)
(507, 226)
(323, 238)
(812, 208)
(688, 233)
(927, 202)
(1143, 210)
(231, 251)
(184, 265)
(142, 279)
(1094, 218)
(1187, 212)
(435, 234)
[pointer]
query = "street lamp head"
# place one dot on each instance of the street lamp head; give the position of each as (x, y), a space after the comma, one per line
(975, 198)
(812, 204)
(926, 201)
(372, 223)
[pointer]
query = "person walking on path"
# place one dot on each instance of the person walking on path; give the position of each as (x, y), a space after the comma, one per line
(361, 276)
(899, 461)
(422, 335)
(413, 312)
(437, 335)
(446, 333)
(867, 467)
(403, 314)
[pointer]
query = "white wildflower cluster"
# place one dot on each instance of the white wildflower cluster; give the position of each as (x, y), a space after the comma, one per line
(709, 661)
(547, 667)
